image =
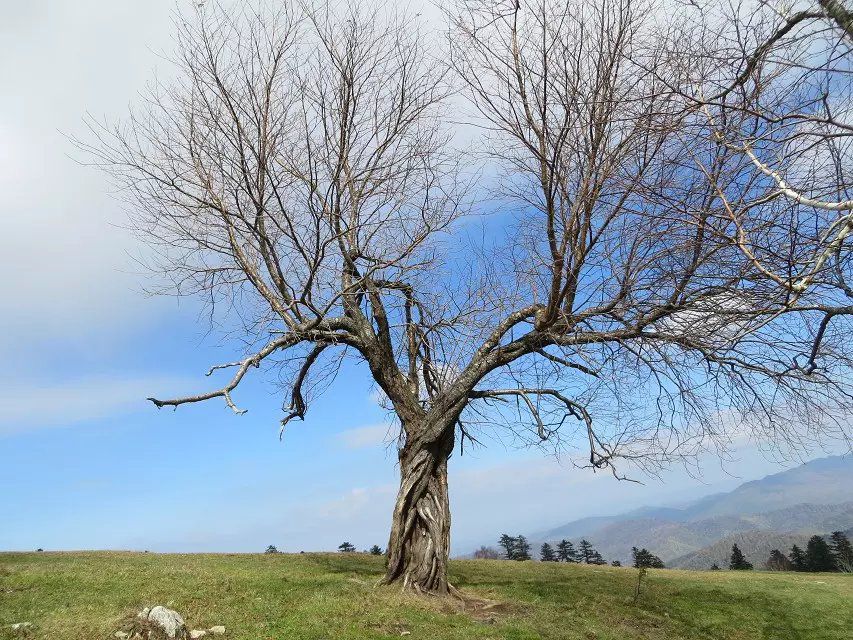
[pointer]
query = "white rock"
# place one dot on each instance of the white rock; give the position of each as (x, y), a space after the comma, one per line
(143, 614)
(121, 635)
(169, 621)
(20, 626)
(218, 630)
(197, 633)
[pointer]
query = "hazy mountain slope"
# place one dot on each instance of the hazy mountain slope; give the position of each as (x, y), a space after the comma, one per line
(671, 540)
(821, 481)
(805, 517)
(581, 527)
(813, 498)
(756, 546)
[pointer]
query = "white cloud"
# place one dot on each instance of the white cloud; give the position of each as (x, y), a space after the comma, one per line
(369, 436)
(31, 406)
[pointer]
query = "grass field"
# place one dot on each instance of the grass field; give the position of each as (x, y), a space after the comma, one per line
(85, 596)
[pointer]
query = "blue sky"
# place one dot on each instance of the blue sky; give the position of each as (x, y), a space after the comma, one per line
(86, 462)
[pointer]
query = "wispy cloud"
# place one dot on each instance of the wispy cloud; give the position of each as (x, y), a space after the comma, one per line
(35, 405)
(369, 436)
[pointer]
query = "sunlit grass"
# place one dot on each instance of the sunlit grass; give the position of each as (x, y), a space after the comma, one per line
(85, 596)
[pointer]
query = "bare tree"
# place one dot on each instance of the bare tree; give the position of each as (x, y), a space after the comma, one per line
(301, 170)
(486, 553)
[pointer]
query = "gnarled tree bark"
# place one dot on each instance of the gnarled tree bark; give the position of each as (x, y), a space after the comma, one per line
(419, 544)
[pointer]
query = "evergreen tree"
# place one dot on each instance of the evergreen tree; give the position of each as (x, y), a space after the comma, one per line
(778, 562)
(645, 558)
(797, 558)
(522, 548)
(738, 562)
(585, 550)
(715, 567)
(375, 550)
(842, 551)
(566, 551)
(597, 558)
(546, 553)
(271, 549)
(615, 563)
(346, 547)
(818, 555)
(507, 542)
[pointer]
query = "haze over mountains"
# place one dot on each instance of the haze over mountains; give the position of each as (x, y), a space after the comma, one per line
(775, 512)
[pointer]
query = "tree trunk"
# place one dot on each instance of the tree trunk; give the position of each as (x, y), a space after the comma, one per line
(419, 546)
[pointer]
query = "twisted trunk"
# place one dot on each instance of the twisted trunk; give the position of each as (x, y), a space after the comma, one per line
(419, 546)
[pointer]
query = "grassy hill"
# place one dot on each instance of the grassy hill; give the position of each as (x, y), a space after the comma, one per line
(85, 596)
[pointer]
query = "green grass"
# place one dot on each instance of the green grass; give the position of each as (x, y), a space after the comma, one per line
(85, 596)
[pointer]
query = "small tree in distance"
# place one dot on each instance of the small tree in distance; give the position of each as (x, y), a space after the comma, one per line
(585, 551)
(508, 544)
(738, 562)
(645, 558)
(522, 549)
(566, 551)
(797, 558)
(818, 555)
(546, 553)
(271, 549)
(778, 562)
(346, 547)
(715, 567)
(842, 551)
(486, 553)
(375, 550)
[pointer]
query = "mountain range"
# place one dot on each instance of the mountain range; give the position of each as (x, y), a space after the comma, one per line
(775, 512)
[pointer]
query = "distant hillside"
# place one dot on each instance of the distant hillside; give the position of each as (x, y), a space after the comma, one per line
(756, 546)
(815, 497)
(671, 540)
(821, 481)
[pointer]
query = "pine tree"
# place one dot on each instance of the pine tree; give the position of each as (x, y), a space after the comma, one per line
(615, 563)
(566, 551)
(546, 553)
(715, 567)
(271, 549)
(597, 558)
(346, 547)
(645, 558)
(522, 548)
(375, 550)
(778, 562)
(738, 562)
(842, 551)
(818, 555)
(797, 558)
(585, 550)
(507, 542)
